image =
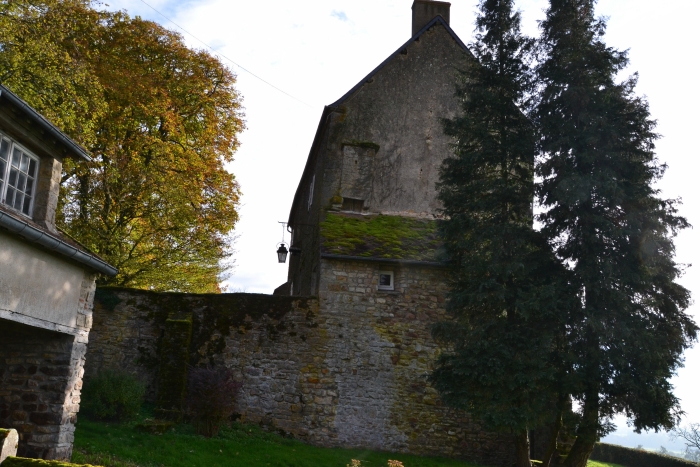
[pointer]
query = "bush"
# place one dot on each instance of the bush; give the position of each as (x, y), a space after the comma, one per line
(635, 457)
(112, 395)
(211, 396)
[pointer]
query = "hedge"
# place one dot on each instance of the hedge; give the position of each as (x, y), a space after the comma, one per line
(630, 457)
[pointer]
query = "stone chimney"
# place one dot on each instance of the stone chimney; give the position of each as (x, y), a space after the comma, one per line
(425, 10)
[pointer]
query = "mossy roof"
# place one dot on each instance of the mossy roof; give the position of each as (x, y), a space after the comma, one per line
(385, 237)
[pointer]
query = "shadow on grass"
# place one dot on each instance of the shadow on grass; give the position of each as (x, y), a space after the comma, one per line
(121, 445)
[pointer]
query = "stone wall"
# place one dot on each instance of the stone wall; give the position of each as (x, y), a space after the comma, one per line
(41, 369)
(346, 369)
(40, 382)
(384, 346)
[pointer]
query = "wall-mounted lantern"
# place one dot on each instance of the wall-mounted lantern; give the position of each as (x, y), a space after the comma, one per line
(282, 252)
(282, 249)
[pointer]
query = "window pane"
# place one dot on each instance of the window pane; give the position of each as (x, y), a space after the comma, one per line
(21, 182)
(27, 203)
(385, 280)
(24, 163)
(16, 156)
(4, 149)
(18, 200)
(18, 173)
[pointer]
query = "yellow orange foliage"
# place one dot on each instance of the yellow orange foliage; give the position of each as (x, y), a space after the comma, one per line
(161, 121)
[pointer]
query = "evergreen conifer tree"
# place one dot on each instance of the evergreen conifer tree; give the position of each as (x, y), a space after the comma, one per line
(501, 364)
(611, 228)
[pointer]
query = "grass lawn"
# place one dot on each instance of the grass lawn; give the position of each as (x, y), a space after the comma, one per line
(120, 445)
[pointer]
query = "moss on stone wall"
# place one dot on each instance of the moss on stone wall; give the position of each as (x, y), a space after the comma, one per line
(390, 237)
(107, 298)
(24, 462)
(4, 433)
(218, 314)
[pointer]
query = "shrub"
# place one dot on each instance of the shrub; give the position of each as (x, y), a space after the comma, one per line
(112, 395)
(635, 457)
(211, 396)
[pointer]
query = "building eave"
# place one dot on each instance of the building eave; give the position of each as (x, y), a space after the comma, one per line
(55, 244)
(35, 117)
(327, 110)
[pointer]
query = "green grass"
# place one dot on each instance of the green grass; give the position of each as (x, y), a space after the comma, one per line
(120, 445)
(114, 445)
(601, 464)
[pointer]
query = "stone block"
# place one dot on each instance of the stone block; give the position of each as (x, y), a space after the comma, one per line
(9, 442)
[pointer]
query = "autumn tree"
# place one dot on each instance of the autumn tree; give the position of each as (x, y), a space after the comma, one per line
(161, 121)
(506, 300)
(611, 228)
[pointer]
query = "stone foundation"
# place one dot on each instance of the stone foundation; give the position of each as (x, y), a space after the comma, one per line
(40, 381)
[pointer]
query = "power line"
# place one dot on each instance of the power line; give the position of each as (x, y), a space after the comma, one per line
(225, 57)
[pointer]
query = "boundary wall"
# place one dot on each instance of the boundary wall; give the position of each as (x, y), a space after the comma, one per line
(346, 369)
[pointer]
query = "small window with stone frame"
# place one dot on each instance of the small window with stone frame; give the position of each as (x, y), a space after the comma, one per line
(18, 172)
(386, 280)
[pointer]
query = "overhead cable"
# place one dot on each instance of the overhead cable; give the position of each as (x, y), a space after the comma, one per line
(225, 57)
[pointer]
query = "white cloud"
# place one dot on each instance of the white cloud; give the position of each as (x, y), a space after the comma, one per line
(340, 15)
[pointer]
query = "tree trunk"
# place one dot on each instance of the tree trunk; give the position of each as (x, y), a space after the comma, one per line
(522, 450)
(586, 435)
(552, 448)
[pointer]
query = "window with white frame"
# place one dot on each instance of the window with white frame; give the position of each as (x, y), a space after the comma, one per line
(18, 171)
(386, 280)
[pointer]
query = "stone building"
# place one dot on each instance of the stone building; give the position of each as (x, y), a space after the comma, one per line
(363, 223)
(376, 154)
(339, 357)
(47, 283)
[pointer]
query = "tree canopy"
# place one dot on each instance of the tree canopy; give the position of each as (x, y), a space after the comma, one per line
(505, 294)
(608, 224)
(161, 121)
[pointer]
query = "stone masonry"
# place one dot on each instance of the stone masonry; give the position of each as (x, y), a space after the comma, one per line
(347, 369)
(40, 381)
(41, 375)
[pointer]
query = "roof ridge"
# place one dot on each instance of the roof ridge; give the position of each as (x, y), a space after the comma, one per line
(433, 22)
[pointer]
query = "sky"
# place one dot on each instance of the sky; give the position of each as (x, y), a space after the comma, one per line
(292, 57)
